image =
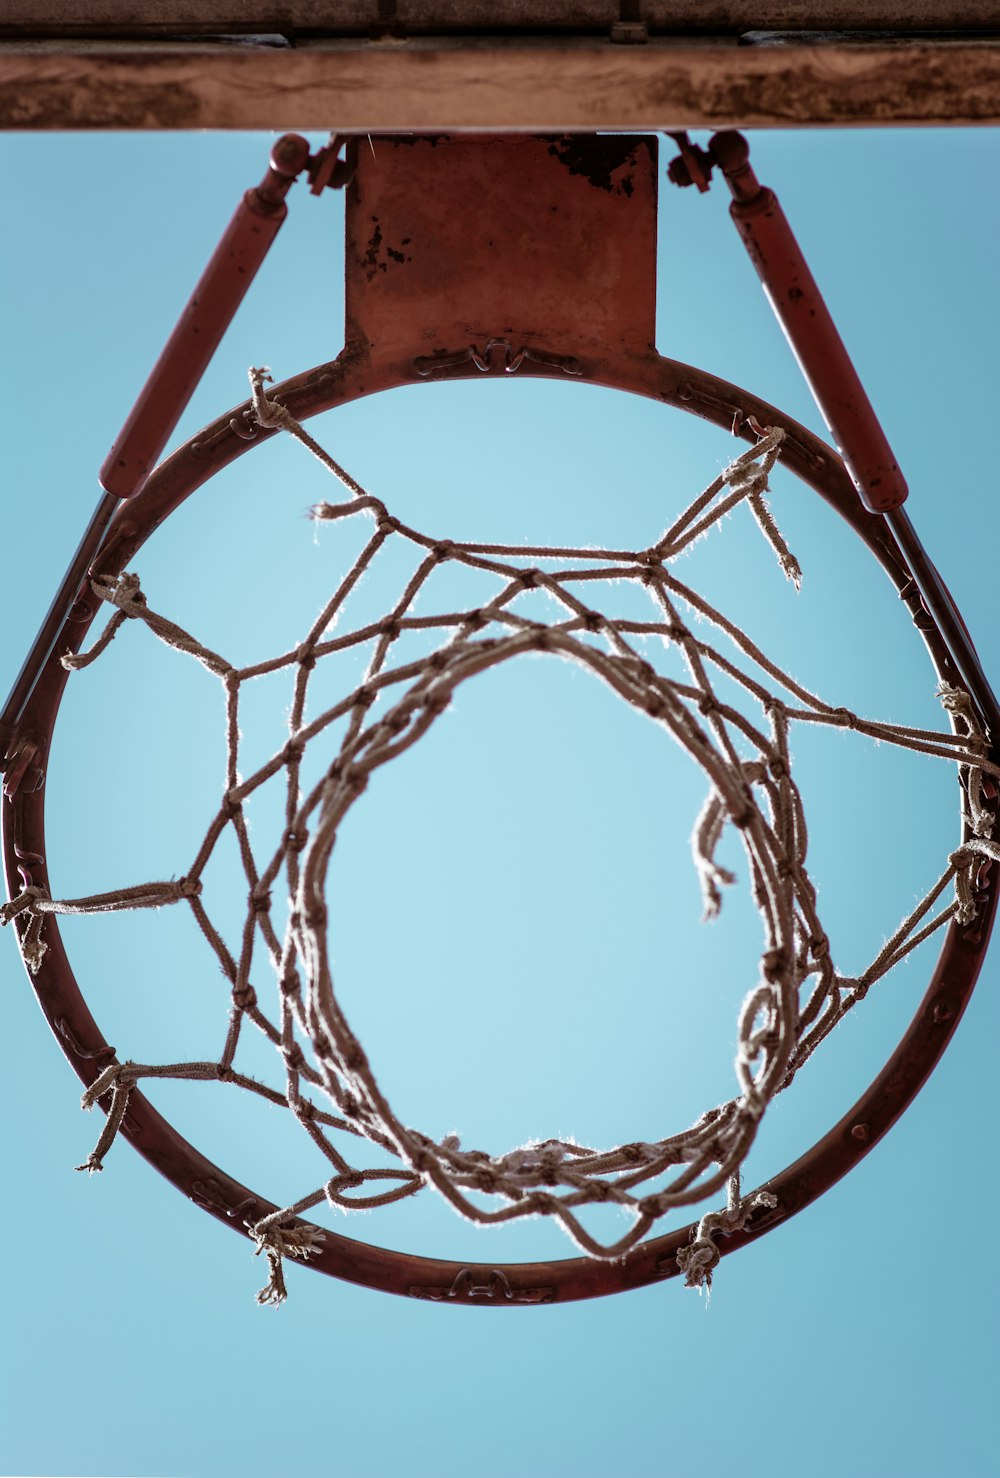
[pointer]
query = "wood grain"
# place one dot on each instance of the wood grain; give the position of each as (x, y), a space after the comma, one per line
(387, 87)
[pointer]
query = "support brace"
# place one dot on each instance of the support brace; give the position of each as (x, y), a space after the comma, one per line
(199, 330)
(804, 317)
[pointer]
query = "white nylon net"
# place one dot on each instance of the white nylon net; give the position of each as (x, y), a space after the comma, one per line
(743, 750)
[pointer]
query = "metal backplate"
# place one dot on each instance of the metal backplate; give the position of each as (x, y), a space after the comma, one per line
(563, 260)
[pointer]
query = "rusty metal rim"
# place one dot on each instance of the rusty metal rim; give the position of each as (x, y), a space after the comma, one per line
(500, 1285)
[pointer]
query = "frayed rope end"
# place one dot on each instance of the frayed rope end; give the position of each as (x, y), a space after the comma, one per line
(278, 1243)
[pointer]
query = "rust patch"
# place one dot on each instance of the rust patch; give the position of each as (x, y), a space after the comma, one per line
(599, 160)
(377, 251)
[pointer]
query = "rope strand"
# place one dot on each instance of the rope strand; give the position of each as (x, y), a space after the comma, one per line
(798, 996)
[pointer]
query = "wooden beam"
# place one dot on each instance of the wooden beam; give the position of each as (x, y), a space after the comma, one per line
(560, 86)
(164, 18)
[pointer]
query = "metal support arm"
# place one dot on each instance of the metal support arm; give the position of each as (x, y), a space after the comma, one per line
(199, 331)
(804, 317)
(174, 378)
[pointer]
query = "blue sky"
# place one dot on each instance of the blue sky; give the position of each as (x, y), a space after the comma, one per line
(517, 925)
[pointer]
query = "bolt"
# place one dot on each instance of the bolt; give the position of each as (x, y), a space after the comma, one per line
(730, 150)
(862, 1133)
(630, 33)
(289, 155)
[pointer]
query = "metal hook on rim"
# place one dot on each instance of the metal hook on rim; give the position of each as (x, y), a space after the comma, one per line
(740, 420)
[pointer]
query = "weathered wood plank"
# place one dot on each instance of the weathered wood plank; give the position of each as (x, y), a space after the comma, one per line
(160, 18)
(359, 87)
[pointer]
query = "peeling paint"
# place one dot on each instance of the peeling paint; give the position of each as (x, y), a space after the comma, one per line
(374, 259)
(598, 160)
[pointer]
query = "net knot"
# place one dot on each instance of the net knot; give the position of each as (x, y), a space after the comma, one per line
(599, 1190)
(223, 1072)
(294, 749)
(486, 1178)
(965, 862)
(244, 997)
(354, 1057)
(954, 700)
(745, 475)
(635, 1153)
(819, 946)
(295, 841)
(115, 1073)
(529, 579)
(437, 700)
(121, 591)
(268, 413)
(443, 549)
(22, 902)
(277, 1243)
(744, 817)
(294, 1057)
(189, 887)
(774, 965)
(364, 697)
(391, 626)
(593, 621)
(845, 718)
(305, 656)
(645, 672)
(33, 947)
(260, 899)
(230, 805)
(699, 1259)
(350, 1180)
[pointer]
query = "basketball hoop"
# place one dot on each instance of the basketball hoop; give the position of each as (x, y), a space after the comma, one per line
(575, 303)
